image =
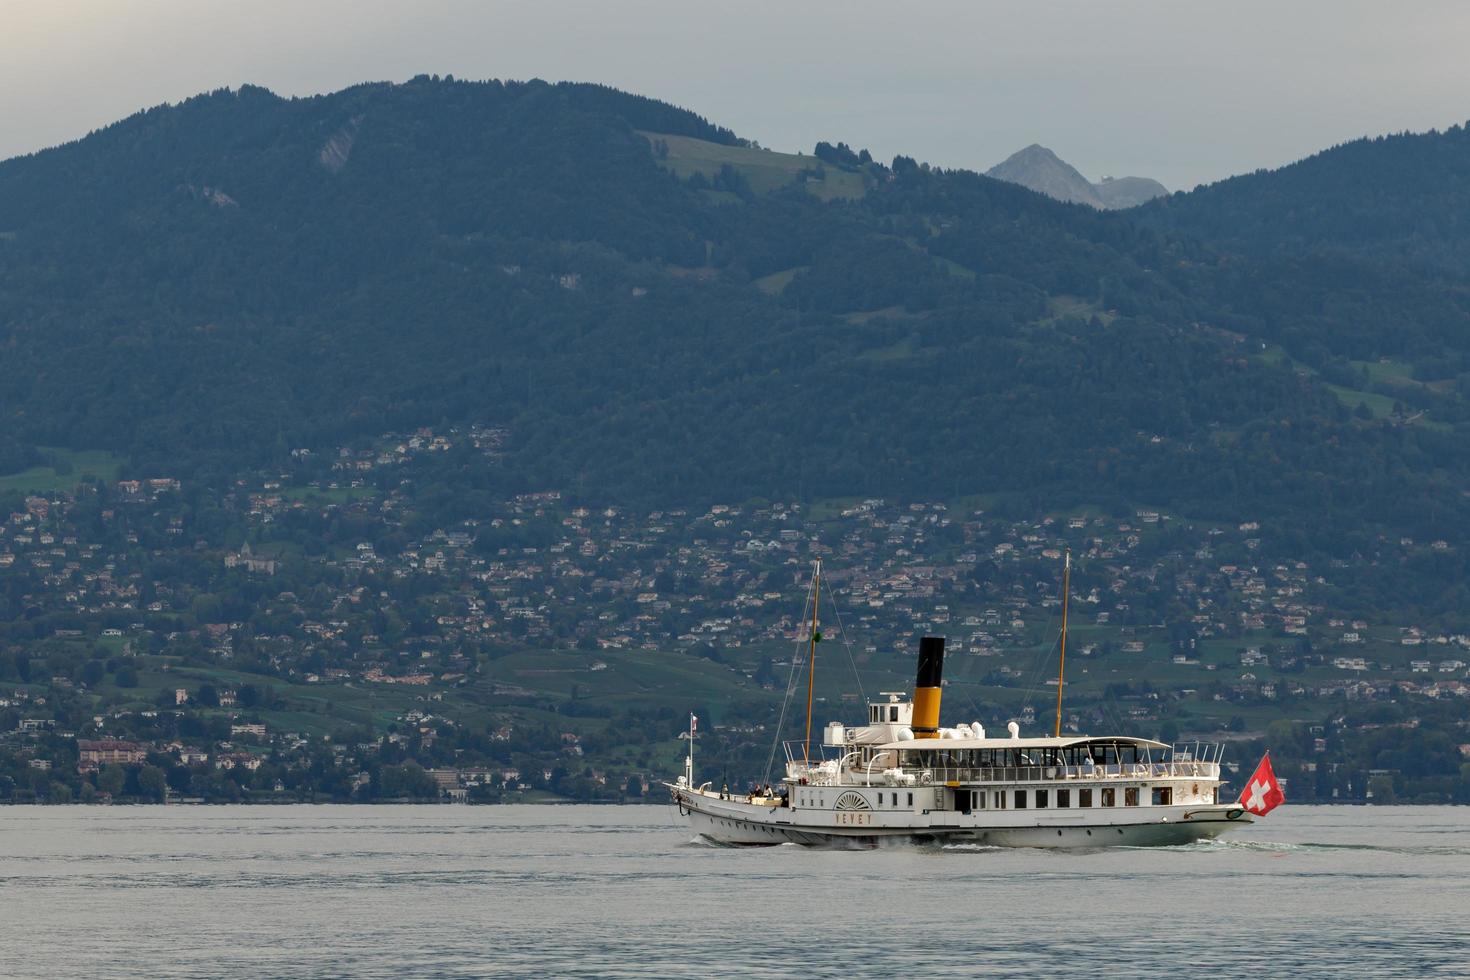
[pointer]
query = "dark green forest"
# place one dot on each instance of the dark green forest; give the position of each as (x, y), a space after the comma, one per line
(1241, 405)
(1398, 198)
(212, 284)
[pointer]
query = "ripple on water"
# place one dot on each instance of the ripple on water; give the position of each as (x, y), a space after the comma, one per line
(517, 891)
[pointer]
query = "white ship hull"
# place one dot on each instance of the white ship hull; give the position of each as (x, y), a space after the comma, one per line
(736, 822)
(903, 776)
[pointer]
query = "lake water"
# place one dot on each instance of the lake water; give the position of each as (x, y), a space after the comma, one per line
(622, 891)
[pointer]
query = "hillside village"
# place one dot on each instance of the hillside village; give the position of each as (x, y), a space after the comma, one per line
(338, 630)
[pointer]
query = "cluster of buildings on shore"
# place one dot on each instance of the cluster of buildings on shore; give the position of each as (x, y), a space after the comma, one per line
(341, 573)
(536, 571)
(238, 758)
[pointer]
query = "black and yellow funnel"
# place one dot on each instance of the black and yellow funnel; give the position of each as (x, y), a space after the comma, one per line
(926, 687)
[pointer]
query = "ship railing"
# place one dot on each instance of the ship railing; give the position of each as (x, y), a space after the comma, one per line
(1025, 774)
(1206, 752)
(818, 765)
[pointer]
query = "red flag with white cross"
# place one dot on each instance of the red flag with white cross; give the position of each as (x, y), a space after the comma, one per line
(1262, 792)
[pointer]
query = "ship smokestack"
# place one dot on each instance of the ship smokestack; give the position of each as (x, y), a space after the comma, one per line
(926, 687)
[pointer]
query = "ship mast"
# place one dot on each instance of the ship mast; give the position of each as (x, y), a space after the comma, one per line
(689, 759)
(811, 674)
(1062, 670)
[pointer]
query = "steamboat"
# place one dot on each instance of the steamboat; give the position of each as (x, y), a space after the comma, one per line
(902, 775)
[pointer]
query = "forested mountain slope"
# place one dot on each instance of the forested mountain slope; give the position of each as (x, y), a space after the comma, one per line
(657, 311)
(1403, 198)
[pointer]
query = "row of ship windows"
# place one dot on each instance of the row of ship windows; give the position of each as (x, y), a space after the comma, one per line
(883, 800)
(1020, 799)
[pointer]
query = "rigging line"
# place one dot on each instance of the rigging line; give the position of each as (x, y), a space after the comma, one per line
(796, 662)
(811, 667)
(1036, 673)
(1041, 662)
(1111, 713)
(1062, 667)
(1106, 713)
(1110, 717)
(790, 687)
(966, 673)
(846, 643)
(974, 707)
(1043, 658)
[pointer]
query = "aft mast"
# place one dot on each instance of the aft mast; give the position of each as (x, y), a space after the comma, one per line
(811, 674)
(689, 759)
(1062, 670)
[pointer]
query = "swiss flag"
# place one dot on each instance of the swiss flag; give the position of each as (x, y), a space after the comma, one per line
(1262, 792)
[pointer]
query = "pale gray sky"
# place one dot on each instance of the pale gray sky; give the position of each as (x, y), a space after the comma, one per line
(1181, 91)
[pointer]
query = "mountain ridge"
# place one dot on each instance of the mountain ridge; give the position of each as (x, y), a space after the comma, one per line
(1041, 170)
(194, 288)
(1399, 197)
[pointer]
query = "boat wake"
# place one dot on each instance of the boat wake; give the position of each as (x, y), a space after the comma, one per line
(1236, 845)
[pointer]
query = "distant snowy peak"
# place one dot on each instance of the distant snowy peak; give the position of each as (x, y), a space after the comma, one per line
(1043, 171)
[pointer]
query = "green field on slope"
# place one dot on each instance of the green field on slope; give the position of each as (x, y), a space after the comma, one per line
(63, 470)
(766, 170)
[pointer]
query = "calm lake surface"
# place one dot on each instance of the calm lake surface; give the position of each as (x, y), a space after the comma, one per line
(622, 891)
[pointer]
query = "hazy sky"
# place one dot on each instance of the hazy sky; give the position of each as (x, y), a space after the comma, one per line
(1181, 91)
